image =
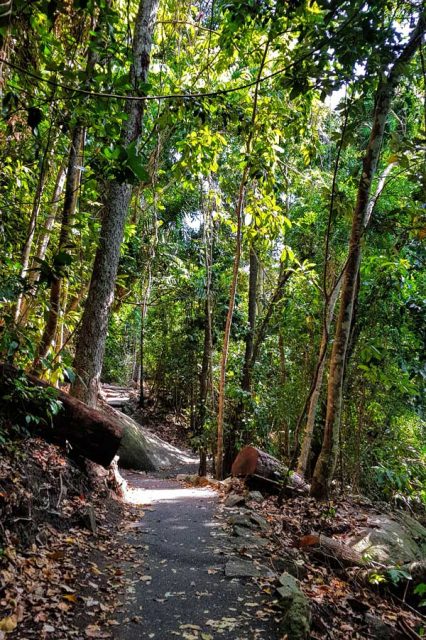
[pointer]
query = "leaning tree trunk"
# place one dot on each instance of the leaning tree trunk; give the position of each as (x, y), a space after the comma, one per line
(91, 341)
(82, 430)
(326, 462)
(317, 382)
(28, 244)
(227, 333)
(315, 390)
(43, 243)
(252, 301)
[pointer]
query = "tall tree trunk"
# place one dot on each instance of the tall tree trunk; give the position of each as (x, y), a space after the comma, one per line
(68, 212)
(317, 382)
(206, 363)
(144, 310)
(44, 239)
(91, 341)
(246, 378)
(260, 334)
(284, 433)
(28, 244)
(42, 244)
(233, 287)
(326, 462)
(252, 302)
(315, 390)
(227, 333)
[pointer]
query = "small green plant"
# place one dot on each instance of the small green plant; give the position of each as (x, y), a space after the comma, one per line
(396, 575)
(329, 512)
(420, 590)
(377, 578)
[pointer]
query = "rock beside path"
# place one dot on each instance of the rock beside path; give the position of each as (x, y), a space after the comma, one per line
(247, 569)
(392, 540)
(296, 621)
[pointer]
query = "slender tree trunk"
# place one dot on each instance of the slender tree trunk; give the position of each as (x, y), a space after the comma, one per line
(260, 334)
(317, 382)
(246, 378)
(284, 427)
(252, 302)
(144, 310)
(205, 380)
(227, 333)
(326, 462)
(233, 287)
(314, 393)
(28, 244)
(44, 240)
(91, 342)
(68, 212)
(43, 243)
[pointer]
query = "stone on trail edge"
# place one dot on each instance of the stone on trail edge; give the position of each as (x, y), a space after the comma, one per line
(297, 618)
(247, 569)
(233, 500)
(391, 540)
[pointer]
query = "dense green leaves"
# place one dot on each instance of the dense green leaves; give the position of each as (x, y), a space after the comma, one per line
(321, 68)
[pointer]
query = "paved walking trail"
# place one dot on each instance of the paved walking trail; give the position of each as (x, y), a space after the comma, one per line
(183, 592)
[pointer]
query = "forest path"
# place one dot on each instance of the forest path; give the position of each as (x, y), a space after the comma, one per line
(180, 590)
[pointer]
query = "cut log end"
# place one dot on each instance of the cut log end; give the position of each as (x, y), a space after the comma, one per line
(246, 462)
(259, 466)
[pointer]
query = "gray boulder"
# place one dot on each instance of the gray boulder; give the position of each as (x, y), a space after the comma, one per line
(392, 540)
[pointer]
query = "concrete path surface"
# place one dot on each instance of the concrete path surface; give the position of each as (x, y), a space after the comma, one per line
(180, 590)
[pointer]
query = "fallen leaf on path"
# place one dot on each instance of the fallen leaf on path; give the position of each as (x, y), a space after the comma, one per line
(8, 624)
(94, 631)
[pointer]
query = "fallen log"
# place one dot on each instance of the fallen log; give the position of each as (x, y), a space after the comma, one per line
(258, 466)
(330, 547)
(88, 432)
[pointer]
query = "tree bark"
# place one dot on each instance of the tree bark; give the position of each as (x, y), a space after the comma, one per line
(227, 333)
(233, 287)
(26, 249)
(326, 462)
(252, 301)
(91, 341)
(260, 334)
(70, 203)
(246, 378)
(315, 391)
(42, 245)
(85, 431)
(254, 462)
(317, 382)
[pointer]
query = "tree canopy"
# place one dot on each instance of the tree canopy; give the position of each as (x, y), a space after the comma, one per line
(224, 201)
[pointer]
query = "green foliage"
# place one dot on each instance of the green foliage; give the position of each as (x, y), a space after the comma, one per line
(26, 406)
(185, 171)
